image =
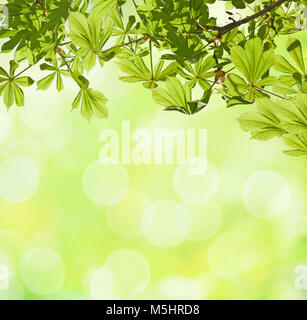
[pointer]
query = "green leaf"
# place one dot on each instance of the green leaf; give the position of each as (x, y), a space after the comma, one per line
(254, 121)
(283, 88)
(19, 96)
(175, 89)
(59, 82)
(95, 27)
(137, 70)
(163, 98)
(236, 85)
(267, 134)
(4, 73)
(13, 67)
(8, 94)
(268, 81)
(24, 81)
(150, 85)
(252, 61)
(301, 103)
(95, 104)
(298, 145)
(77, 100)
(92, 103)
(89, 61)
(46, 66)
(175, 96)
(239, 60)
(282, 65)
(80, 33)
(295, 49)
(46, 82)
(288, 112)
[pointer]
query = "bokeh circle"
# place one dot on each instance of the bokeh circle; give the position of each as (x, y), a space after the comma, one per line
(19, 178)
(266, 194)
(196, 188)
(105, 184)
(42, 270)
(231, 254)
(165, 223)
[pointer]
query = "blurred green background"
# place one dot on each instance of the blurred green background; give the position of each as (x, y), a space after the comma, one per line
(237, 232)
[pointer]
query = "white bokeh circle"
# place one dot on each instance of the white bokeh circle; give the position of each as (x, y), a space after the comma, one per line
(102, 285)
(125, 217)
(105, 184)
(19, 178)
(266, 194)
(42, 109)
(231, 254)
(6, 126)
(195, 188)
(15, 245)
(206, 219)
(42, 270)
(165, 223)
(124, 275)
(176, 287)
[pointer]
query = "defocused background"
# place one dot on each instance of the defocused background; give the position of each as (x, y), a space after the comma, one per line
(237, 232)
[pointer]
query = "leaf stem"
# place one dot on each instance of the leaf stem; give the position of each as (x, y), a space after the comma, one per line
(24, 70)
(132, 42)
(64, 60)
(151, 63)
(269, 92)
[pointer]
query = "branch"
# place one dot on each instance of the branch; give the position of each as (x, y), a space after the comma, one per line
(144, 38)
(224, 29)
(24, 70)
(269, 92)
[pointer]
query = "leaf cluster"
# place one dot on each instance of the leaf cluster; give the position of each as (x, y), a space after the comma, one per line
(175, 48)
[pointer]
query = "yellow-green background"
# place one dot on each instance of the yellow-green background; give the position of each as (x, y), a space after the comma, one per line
(61, 217)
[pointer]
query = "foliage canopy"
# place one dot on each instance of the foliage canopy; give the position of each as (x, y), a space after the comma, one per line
(175, 48)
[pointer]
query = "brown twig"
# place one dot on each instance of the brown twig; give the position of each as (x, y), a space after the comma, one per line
(228, 27)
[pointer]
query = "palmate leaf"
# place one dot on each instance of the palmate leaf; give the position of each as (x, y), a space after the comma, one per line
(11, 83)
(8, 94)
(24, 81)
(252, 61)
(57, 73)
(92, 103)
(104, 7)
(136, 68)
(46, 82)
(87, 33)
(178, 97)
(139, 72)
(174, 97)
(199, 73)
(79, 30)
(295, 79)
(282, 65)
(295, 49)
(260, 126)
(12, 93)
(297, 143)
(287, 118)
